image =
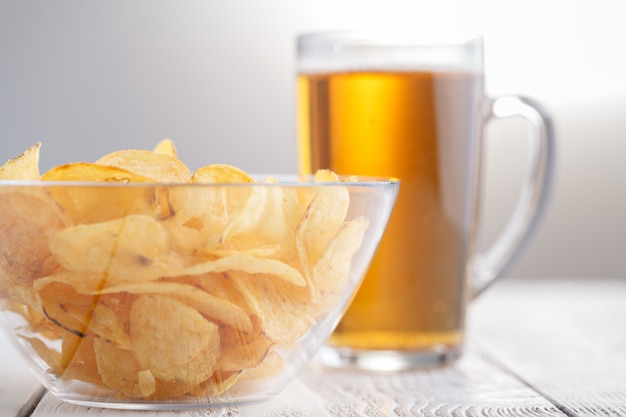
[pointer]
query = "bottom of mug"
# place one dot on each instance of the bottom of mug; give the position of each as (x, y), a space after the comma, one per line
(387, 360)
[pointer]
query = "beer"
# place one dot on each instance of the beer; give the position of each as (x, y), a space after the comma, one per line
(423, 128)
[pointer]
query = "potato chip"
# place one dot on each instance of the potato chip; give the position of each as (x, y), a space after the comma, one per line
(66, 307)
(108, 324)
(322, 219)
(284, 310)
(220, 173)
(88, 172)
(158, 322)
(332, 272)
(29, 218)
(271, 366)
(24, 167)
(78, 359)
(269, 216)
(208, 209)
(81, 282)
(159, 167)
(121, 372)
(221, 286)
(242, 350)
(118, 368)
(50, 356)
(246, 263)
(146, 382)
(217, 384)
(132, 248)
(207, 304)
(166, 147)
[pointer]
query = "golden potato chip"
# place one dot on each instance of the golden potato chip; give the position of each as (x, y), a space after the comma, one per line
(132, 248)
(271, 366)
(66, 307)
(220, 173)
(221, 286)
(322, 219)
(118, 368)
(159, 167)
(24, 167)
(29, 218)
(81, 282)
(332, 271)
(50, 356)
(284, 310)
(108, 324)
(146, 382)
(241, 350)
(166, 147)
(78, 359)
(157, 323)
(246, 263)
(183, 238)
(208, 209)
(219, 383)
(121, 372)
(206, 304)
(89, 172)
(269, 216)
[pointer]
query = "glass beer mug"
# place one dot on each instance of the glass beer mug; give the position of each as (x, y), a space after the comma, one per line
(415, 110)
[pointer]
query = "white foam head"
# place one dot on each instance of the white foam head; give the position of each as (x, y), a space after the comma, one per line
(389, 51)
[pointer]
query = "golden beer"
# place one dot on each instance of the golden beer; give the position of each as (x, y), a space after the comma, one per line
(423, 128)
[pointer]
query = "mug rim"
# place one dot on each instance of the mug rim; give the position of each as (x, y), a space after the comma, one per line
(388, 38)
(340, 51)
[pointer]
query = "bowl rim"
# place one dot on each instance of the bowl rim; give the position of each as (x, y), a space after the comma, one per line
(287, 181)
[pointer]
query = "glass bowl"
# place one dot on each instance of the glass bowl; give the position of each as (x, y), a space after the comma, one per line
(170, 296)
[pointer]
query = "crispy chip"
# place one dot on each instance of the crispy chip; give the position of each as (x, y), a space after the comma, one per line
(157, 323)
(78, 359)
(121, 372)
(284, 310)
(246, 263)
(241, 350)
(271, 366)
(159, 167)
(269, 216)
(29, 218)
(66, 307)
(332, 272)
(220, 173)
(132, 248)
(88, 172)
(207, 304)
(217, 384)
(24, 167)
(323, 218)
(166, 147)
(208, 209)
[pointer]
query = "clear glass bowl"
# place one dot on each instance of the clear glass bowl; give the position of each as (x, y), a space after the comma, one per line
(172, 296)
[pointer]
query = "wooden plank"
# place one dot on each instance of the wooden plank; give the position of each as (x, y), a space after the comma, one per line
(565, 338)
(19, 390)
(470, 387)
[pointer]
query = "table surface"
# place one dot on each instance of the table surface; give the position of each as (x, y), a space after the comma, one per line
(552, 347)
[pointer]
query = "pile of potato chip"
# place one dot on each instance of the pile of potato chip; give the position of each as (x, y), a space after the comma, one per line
(143, 280)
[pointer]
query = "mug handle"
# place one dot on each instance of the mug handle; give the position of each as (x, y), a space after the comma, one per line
(491, 264)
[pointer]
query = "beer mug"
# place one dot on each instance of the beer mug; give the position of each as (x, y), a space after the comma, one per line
(415, 110)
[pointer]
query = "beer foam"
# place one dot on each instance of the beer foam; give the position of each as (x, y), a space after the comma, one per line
(343, 52)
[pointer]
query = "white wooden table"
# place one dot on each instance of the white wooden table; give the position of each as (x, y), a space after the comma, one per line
(537, 347)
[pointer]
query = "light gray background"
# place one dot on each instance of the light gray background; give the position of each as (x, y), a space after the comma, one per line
(216, 76)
